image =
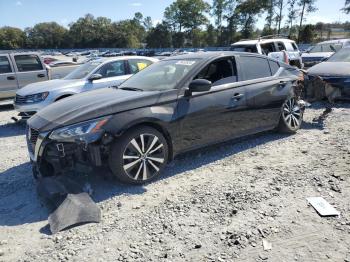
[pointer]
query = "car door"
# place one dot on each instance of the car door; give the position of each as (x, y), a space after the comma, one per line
(265, 91)
(8, 81)
(113, 74)
(214, 115)
(30, 69)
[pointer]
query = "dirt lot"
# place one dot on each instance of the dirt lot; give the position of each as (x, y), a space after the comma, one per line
(217, 204)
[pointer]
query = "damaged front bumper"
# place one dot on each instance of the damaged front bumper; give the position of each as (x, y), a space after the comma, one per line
(51, 157)
(330, 87)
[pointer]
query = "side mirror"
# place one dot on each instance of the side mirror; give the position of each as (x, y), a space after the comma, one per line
(200, 85)
(94, 77)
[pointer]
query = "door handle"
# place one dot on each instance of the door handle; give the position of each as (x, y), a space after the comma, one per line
(11, 78)
(237, 96)
(41, 75)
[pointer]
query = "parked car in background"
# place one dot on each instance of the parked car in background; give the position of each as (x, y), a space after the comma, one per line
(322, 51)
(18, 70)
(335, 72)
(95, 74)
(281, 49)
(178, 104)
(59, 69)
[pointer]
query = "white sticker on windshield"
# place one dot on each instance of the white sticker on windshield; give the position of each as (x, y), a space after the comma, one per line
(185, 62)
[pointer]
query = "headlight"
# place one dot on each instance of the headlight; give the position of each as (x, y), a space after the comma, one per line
(80, 131)
(37, 97)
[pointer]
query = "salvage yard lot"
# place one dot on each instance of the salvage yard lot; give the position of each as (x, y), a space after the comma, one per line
(217, 204)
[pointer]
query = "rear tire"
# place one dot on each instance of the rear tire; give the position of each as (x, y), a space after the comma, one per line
(291, 116)
(139, 155)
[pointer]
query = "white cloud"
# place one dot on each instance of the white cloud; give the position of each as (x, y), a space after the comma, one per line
(136, 4)
(18, 3)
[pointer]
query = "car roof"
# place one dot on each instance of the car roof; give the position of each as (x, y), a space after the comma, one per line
(210, 55)
(262, 41)
(9, 52)
(109, 59)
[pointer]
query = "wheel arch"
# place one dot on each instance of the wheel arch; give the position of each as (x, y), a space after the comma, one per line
(153, 124)
(61, 96)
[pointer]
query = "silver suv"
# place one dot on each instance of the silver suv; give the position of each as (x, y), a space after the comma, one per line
(281, 49)
(18, 70)
(99, 73)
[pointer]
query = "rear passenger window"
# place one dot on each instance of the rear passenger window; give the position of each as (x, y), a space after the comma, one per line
(5, 66)
(274, 67)
(219, 72)
(254, 67)
(27, 63)
(112, 69)
(137, 65)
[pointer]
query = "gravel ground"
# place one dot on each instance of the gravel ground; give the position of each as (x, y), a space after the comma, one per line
(217, 204)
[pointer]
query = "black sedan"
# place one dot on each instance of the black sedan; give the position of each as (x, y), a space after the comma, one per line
(176, 105)
(335, 72)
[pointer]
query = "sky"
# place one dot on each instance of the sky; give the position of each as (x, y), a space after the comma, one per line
(26, 13)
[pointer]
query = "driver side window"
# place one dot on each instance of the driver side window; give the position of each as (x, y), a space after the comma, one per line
(219, 72)
(112, 69)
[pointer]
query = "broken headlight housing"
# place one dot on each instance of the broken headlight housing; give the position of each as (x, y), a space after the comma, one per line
(89, 130)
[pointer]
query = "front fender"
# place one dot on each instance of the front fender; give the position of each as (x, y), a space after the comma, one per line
(161, 115)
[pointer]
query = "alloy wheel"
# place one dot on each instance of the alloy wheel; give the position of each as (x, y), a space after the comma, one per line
(143, 157)
(292, 113)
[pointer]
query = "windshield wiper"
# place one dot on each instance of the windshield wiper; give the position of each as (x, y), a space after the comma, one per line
(131, 88)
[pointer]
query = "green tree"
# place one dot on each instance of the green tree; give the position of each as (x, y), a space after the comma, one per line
(307, 6)
(46, 35)
(308, 34)
(346, 8)
(159, 37)
(12, 38)
(280, 4)
(147, 23)
(187, 14)
(219, 8)
(292, 15)
(247, 12)
(232, 20)
(210, 36)
(82, 32)
(269, 17)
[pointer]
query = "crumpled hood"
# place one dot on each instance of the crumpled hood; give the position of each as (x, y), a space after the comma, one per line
(331, 69)
(50, 85)
(89, 105)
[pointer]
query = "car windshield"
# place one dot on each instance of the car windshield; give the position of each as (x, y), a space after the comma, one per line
(329, 48)
(161, 76)
(341, 56)
(83, 70)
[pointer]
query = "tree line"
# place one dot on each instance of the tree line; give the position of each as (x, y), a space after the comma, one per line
(186, 23)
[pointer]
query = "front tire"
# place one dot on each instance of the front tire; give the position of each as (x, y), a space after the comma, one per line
(291, 116)
(139, 155)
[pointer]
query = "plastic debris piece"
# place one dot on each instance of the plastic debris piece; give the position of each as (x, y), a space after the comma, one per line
(266, 244)
(76, 209)
(322, 207)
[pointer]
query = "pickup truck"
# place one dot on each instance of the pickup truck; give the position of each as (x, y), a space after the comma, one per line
(20, 69)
